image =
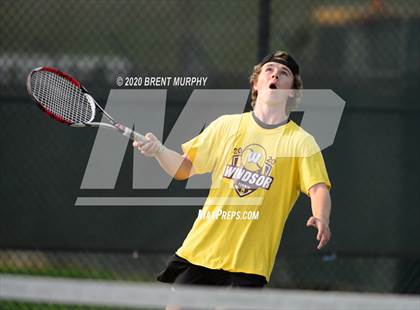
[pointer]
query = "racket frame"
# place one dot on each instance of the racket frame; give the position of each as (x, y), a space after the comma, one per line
(124, 130)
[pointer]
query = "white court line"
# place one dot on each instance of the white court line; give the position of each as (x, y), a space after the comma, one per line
(130, 294)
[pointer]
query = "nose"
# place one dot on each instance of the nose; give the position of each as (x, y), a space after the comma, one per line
(275, 76)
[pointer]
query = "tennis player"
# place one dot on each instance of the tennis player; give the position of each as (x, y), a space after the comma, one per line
(260, 161)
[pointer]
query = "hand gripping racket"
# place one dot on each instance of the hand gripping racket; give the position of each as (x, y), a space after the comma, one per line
(64, 99)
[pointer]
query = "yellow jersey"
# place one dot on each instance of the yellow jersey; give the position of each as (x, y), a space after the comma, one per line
(257, 176)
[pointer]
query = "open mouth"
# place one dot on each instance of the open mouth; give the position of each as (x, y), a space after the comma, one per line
(273, 86)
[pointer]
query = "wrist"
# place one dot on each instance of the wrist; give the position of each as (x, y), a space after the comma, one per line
(160, 150)
(323, 221)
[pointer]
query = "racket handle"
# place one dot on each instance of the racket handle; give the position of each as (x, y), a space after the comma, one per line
(135, 136)
(131, 134)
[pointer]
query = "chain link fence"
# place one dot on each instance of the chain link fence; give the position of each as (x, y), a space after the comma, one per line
(315, 272)
(366, 51)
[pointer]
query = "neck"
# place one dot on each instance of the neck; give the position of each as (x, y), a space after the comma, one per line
(270, 114)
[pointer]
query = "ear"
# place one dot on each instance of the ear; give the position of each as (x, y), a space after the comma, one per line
(254, 84)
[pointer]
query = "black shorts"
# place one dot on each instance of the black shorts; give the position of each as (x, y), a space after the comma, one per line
(181, 271)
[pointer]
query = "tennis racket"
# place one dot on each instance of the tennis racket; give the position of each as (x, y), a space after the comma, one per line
(65, 100)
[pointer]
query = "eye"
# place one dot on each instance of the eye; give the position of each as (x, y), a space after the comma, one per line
(268, 69)
(285, 73)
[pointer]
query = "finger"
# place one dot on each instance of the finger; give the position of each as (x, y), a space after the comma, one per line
(311, 222)
(323, 242)
(154, 148)
(320, 245)
(140, 145)
(319, 234)
(150, 136)
(325, 239)
(308, 223)
(151, 150)
(147, 147)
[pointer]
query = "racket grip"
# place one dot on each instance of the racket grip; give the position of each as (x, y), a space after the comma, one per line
(135, 136)
(131, 134)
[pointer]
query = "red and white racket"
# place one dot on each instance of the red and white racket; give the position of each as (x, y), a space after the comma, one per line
(64, 99)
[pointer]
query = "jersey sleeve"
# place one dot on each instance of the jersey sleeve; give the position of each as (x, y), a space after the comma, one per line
(202, 149)
(312, 168)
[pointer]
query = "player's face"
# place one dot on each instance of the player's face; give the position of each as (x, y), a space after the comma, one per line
(275, 82)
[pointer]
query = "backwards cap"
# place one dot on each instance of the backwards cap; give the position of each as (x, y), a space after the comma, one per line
(285, 59)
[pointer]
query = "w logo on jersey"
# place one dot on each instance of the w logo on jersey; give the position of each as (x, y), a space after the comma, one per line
(250, 169)
(253, 157)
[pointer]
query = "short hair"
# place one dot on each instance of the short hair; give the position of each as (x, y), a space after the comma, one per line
(292, 102)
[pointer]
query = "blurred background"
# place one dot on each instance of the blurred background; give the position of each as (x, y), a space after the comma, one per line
(368, 52)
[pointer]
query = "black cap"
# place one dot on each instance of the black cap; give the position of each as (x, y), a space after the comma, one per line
(286, 60)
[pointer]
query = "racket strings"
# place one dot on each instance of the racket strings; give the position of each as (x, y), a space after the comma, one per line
(61, 97)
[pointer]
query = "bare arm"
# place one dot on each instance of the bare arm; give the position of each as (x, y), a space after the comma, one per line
(321, 209)
(174, 164)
